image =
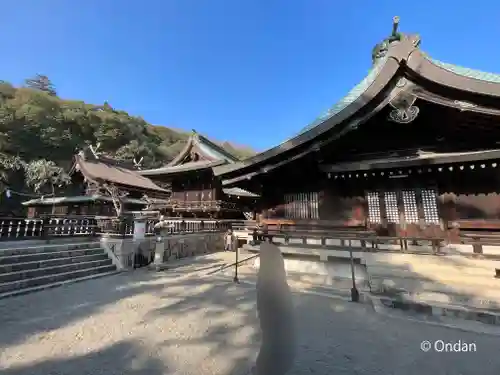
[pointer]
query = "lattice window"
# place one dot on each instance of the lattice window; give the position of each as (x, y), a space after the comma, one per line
(374, 215)
(391, 207)
(429, 202)
(302, 206)
(410, 206)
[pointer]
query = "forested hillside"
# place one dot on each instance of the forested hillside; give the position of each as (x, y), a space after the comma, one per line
(37, 124)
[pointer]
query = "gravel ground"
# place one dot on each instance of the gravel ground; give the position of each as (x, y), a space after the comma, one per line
(177, 322)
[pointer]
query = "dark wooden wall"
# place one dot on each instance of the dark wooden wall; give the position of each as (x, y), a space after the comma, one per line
(196, 187)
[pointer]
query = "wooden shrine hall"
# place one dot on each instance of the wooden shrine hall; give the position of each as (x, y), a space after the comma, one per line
(412, 150)
(196, 192)
(100, 186)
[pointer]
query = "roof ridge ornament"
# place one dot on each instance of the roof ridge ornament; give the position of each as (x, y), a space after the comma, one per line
(138, 164)
(95, 150)
(380, 50)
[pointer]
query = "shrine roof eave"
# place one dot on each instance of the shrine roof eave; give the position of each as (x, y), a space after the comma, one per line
(77, 199)
(363, 93)
(402, 58)
(236, 191)
(100, 171)
(419, 160)
(208, 149)
(197, 166)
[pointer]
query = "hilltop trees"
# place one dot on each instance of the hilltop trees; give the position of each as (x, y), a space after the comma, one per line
(42, 83)
(37, 125)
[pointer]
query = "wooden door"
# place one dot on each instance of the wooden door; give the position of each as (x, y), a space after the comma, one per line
(405, 212)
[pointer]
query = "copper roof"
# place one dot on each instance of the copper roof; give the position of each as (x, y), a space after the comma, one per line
(207, 149)
(210, 155)
(188, 167)
(403, 58)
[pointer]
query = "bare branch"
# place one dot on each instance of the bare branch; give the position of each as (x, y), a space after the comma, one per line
(117, 197)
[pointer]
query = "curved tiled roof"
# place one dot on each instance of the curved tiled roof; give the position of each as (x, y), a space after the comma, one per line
(214, 151)
(191, 166)
(351, 96)
(466, 72)
(407, 55)
(358, 90)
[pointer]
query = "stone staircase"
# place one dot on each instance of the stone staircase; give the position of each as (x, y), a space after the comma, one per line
(29, 269)
(436, 280)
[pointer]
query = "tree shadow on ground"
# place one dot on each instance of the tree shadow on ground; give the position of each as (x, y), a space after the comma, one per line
(24, 316)
(122, 358)
(231, 338)
(239, 341)
(222, 335)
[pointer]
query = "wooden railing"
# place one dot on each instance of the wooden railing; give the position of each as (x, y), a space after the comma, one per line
(293, 234)
(199, 205)
(322, 234)
(15, 228)
(176, 225)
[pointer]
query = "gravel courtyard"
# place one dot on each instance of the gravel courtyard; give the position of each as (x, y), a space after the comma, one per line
(177, 322)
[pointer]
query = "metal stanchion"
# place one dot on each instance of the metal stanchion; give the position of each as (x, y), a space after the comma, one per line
(354, 290)
(235, 279)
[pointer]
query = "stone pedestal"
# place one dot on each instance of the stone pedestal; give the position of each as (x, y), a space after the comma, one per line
(166, 247)
(123, 250)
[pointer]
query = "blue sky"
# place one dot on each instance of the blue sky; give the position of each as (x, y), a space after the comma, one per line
(251, 71)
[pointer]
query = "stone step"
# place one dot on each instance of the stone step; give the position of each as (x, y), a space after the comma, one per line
(64, 268)
(20, 292)
(328, 281)
(15, 267)
(47, 248)
(19, 244)
(433, 271)
(480, 287)
(8, 288)
(340, 268)
(453, 278)
(425, 260)
(449, 299)
(12, 259)
(320, 281)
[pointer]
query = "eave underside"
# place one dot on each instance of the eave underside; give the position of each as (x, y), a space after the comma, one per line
(420, 159)
(440, 115)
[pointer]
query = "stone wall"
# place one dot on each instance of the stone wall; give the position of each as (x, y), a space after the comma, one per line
(123, 251)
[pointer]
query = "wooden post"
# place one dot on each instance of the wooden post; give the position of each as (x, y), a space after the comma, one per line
(45, 228)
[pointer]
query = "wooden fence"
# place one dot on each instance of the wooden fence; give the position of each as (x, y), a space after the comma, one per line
(15, 228)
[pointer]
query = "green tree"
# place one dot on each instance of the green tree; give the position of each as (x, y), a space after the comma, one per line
(8, 166)
(41, 82)
(36, 124)
(42, 174)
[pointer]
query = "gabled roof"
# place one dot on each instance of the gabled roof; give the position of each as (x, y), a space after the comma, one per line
(104, 169)
(210, 155)
(205, 148)
(180, 168)
(402, 58)
(239, 192)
